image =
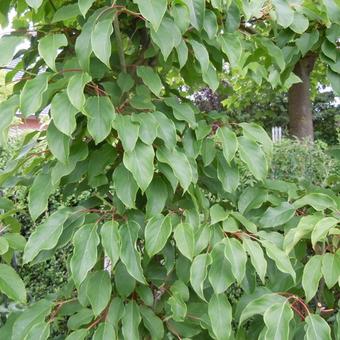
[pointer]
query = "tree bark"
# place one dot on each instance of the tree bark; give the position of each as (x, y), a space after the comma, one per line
(299, 102)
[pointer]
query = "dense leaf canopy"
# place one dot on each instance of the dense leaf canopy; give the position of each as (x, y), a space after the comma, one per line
(167, 210)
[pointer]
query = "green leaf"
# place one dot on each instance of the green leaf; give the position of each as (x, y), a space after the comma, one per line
(34, 3)
(259, 305)
(256, 257)
(84, 256)
(15, 241)
(148, 127)
(31, 96)
(316, 328)
(128, 250)
(182, 53)
(100, 39)
(220, 315)
(182, 111)
(210, 24)
(217, 214)
(228, 174)
(220, 274)
(152, 323)
(201, 54)
(284, 13)
(111, 240)
(252, 154)
(178, 308)
(84, 6)
(153, 11)
(32, 316)
(275, 52)
(196, 12)
(318, 201)
(101, 280)
(229, 142)
(322, 228)
(150, 79)
(237, 257)
(179, 163)
(39, 331)
(334, 79)
(157, 195)
(198, 273)
(50, 46)
(232, 47)
(58, 143)
(166, 129)
(331, 268)
(101, 114)
(8, 47)
(249, 225)
(46, 235)
(280, 258)
(139, 162)
(185, 239)
(300, 23)
(307, 41)
(80, 334)
(63, 113)
(279, 215)
(294, 235)
(128, 131)
(131, 321)
(157, 232)
(37, 198)
(75, 89)
(125, 186)
(8, 109)
(311, 276)
(104, 331)
(125, 283)
(115, 312)
(66, 12)
(251, 198)
(167, 37)
(11, 284)
(277, 319)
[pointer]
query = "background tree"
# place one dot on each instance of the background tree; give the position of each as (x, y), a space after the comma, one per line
(167, 228)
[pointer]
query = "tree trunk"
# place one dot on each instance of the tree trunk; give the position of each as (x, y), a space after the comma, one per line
(299, 103)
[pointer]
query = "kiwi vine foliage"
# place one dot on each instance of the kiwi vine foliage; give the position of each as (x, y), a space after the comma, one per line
(166, 209)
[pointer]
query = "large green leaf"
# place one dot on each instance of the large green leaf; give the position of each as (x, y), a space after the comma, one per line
(256, 257)
(181, 111)
(277, 319)
(153, 11)
(198, 273)
(131, 321)
(139, 162)
(34, 3)
(128, 131)
(63, 113)
(318, 201)
(185, 239)
(229, 142)
(311, 276)
(179, 163)
(251, 198)
(201, 54)
(128, 250)
(252, 154)
(150, 79)
(100, 38)
(84, 256)
(111, 240)
(331, 268)
(8, 47)
(50, 46)
(232, 47)
(101, 114)
(322, 228)
(157, 232)
(196, 12)
(157, 195)
(58, 143)
(125, 186)
(237, 257)
(31, 96)
(8, 108)
(11, 284)
(166, 129)
(37, 198)
(75, 89)
(152, 323)
(284, 12)
(220, 315)
(104, 331)
(95, 280)
(279, 215)
(85, 5)
(46, 235)
(316, 328)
